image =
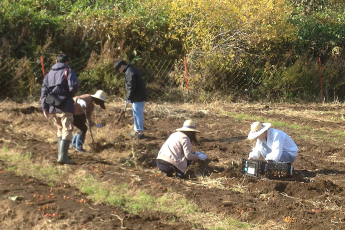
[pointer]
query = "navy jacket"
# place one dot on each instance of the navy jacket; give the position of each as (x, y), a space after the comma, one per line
(135, 85)
(55, 82)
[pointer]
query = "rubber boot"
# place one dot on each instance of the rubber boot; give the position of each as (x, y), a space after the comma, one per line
(74, 141)
(63, 152)
(79, 143)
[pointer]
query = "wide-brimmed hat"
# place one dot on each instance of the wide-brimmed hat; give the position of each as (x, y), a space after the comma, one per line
(188, 125)
(257, 128)
(100, 94)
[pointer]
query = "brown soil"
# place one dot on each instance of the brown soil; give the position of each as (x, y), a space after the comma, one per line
(312, 199)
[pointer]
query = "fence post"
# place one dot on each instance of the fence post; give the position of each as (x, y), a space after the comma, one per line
(186, 73)
(321, 79)
(42, 67)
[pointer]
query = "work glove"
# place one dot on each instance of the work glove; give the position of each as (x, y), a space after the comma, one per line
(198, 153)
(81, 102)
(202, 156)
(99, 126)
(46, 113)
(128, 101)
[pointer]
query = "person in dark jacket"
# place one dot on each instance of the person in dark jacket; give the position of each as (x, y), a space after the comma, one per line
(63, 84)
(136, 94)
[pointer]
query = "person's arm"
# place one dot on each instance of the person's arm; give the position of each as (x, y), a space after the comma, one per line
(255, 153)
(187, 149)
(277, 147)
(44, 93)
(131, 83)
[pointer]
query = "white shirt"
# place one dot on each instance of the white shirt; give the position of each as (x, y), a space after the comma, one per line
(278, 141)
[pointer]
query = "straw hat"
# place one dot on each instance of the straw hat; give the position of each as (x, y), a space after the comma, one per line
(100, 94)
(188, 125)
(257, 128)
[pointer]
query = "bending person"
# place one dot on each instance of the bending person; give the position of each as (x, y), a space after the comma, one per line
(84, 106)
(272, 144)
(176, 153)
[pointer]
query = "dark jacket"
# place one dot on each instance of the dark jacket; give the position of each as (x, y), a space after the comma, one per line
(135, 85)
(55, 82)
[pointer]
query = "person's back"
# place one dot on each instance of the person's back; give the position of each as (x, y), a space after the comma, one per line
(135, 84)
(62, 82)
(57, 91)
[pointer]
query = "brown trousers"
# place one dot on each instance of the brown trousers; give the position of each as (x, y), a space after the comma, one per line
(64, 124)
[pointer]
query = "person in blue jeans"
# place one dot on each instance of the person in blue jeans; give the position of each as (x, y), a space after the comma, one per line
(136, 94)
(272, 144)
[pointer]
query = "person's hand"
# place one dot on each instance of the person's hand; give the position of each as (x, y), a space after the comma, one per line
(198, 153)
(202, 156)
(99, 125)
(82, 103)
(46, 113)
(128, 101)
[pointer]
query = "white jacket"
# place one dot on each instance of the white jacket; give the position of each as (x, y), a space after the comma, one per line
(279, 142)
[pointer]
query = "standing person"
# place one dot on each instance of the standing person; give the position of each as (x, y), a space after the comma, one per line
(84, 106)
(57, 91)
(176, 153)
(136, 94)
(272, 144)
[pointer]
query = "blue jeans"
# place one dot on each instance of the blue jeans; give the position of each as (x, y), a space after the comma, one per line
(285, 157)
(169, 169)
(138, 115)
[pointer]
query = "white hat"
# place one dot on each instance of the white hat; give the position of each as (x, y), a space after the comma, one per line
(100, 94)
(257, 128)
(188, 125)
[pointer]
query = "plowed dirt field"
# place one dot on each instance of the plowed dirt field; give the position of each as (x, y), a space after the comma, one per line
(313, 198)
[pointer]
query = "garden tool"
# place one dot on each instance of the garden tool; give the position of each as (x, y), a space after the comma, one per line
(123, 112)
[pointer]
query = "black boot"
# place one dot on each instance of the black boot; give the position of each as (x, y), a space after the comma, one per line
(63, 152)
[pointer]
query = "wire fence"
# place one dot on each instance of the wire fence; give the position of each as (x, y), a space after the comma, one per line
(183, 80)
(166, 80)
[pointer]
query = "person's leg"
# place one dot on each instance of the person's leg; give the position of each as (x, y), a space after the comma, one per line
(179, 173)
(138, 116)
(76, 124)
(79, 122)
(67, 128)
(286, 157)
(166, 168)
(57, 123)
(169, 168)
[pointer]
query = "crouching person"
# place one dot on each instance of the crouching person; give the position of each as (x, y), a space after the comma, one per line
(176, 153)
(84, 106)
(272, 144)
